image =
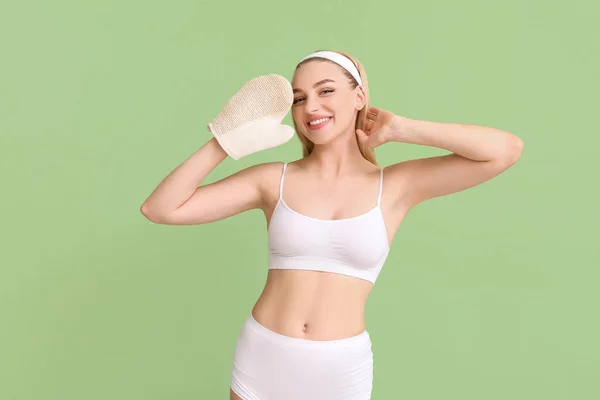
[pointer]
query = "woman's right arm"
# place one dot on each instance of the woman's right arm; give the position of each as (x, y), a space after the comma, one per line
(179, 200)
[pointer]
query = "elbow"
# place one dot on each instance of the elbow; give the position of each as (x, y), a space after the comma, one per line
(147, 212)
(151, 215)
(513, 150)
(516, 149)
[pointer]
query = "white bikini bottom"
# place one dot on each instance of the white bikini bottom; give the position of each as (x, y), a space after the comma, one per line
(271, 366)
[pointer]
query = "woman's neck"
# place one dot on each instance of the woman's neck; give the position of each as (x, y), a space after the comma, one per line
(339, 157)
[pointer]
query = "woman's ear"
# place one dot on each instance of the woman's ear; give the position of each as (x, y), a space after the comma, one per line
(360, 98)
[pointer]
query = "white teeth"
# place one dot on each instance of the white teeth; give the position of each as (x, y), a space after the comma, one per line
(318, 121)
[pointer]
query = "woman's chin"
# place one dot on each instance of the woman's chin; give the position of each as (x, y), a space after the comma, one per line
(320, 140)
(322, 136)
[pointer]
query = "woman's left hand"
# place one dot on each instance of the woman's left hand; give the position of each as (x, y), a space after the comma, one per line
(378, 129)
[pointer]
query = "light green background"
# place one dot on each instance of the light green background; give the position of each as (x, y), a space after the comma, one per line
(490, 294)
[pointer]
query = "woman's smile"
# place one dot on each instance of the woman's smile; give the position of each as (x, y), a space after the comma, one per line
(316, 124)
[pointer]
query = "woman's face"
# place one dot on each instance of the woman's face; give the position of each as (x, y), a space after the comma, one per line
(325, 106)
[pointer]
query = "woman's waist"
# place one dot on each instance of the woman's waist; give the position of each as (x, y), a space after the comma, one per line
(295, 323)
(312, 306)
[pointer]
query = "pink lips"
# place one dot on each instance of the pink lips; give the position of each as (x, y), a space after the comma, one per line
(320, 125)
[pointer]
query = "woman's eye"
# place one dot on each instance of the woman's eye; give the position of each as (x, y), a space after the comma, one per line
(325, 91)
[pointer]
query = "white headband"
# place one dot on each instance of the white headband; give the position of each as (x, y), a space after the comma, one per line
(339, 59)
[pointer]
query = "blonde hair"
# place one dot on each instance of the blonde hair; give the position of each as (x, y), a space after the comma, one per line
(361, 119)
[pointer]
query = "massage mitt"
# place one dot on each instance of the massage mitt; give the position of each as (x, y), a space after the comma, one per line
(250, 121)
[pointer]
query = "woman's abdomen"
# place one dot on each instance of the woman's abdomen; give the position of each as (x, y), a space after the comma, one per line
(312, 305)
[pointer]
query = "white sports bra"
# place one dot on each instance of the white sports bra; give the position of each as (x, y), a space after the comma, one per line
(355, 246)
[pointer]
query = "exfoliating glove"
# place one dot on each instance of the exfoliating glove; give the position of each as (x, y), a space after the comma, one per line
(251, 120)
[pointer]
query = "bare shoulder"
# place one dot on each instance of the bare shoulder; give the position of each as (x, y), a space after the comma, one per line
(398, 171)
(265, 173)
(266, 178)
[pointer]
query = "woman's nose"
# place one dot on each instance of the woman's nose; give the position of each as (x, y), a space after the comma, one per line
(311, 105)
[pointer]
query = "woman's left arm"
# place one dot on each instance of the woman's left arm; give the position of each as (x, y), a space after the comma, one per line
(478, 153)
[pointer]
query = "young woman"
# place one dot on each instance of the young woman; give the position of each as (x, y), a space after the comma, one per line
(331, 218)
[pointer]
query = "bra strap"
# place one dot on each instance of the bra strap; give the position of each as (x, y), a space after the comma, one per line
(281, 181)
(380, 187)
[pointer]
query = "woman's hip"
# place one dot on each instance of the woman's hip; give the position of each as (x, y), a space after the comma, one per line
(268, 365)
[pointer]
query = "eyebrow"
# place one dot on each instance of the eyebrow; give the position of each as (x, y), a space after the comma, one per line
(316, 84)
